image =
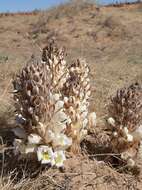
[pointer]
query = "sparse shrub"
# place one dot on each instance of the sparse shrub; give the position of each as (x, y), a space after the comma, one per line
(52, 99)
(125, 122)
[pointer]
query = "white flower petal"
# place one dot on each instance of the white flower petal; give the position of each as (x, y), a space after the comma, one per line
(111, 121)
(131, 162)
(45, 155)
(39, 155)
(59, 157)
(66, 99)
(115, 134)
(129, 138)
(34, 139)
(62, 140)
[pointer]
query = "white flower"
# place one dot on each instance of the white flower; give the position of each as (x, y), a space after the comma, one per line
(59, 157)
(125, 131)
(66, 99)
(130, 162)
(111, 121)
(45, 155)
(34, 139)
(115, 134)
(59, 121)
(129, 138)
(62, 140)
(126, 155)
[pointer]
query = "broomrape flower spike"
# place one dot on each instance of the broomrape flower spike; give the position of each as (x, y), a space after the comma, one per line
(52, 107)
(126, 108)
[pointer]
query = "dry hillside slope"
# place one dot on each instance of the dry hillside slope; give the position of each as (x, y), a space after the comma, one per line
(110, 39)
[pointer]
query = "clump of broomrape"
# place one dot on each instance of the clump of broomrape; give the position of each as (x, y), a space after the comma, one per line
(51, 100)
(125, 122)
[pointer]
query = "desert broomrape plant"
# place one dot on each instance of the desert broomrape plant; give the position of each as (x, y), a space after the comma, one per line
(76, 92)
(125, 121)
(52, 100)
